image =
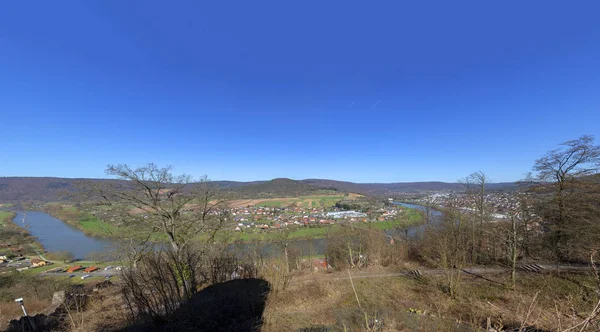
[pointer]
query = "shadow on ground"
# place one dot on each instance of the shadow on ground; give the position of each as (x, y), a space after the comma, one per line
(235, 305)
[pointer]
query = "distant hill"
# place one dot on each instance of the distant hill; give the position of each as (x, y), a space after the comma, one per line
(53, 189)
(43, 189)
(236, 184)
(399, 187)
(33, 188)
(281, 187)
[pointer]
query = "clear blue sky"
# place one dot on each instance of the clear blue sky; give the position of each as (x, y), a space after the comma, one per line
(361, 91)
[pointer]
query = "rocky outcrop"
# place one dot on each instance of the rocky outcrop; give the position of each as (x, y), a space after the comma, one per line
(51, 319)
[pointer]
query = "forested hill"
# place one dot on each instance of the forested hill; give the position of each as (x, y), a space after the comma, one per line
(281, 187)
(399, 187)
(51, 189)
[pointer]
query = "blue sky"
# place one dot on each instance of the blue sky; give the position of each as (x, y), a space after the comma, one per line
(386, 91)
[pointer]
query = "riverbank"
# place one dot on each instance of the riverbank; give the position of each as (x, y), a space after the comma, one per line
(15, 240)
(92, 226)
(87, 223)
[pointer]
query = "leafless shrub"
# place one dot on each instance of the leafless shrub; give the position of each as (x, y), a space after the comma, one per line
(154, 290)
(74, 311)
(359, 248)
(276, 273)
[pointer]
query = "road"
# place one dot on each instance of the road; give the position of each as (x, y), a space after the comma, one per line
(100, 273)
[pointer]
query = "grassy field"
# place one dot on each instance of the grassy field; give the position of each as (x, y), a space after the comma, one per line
(88, 223)
(92, 225)
(4, 215)
(409, 217)
(272, 235)
(302, 201)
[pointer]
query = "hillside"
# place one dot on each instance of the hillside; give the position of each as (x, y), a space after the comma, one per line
(281, 187)
(399, 187)
(36, 188)
(45, 189)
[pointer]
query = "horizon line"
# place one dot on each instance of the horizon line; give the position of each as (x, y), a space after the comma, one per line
(211, 180)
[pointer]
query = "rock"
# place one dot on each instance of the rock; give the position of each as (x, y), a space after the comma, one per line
(41, 322)
(58, 299)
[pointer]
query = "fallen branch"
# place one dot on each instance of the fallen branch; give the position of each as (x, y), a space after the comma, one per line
(484, 278)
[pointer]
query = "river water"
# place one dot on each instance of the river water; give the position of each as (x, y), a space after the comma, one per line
(416, 231)
(56, 235)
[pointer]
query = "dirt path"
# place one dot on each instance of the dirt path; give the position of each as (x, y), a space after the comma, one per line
(421, 273)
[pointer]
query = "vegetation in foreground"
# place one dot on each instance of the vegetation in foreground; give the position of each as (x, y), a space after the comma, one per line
(548, 302)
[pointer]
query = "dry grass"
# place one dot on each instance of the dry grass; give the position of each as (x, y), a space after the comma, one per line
(325, 299)
(408, 304)
(11, 310)
(105, 312)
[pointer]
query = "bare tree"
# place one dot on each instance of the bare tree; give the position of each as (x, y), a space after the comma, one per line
(429, 200)
(65, 256)
(475, 185)
(513, 245)
(527, 217)
(569, 171)
(450, 245)
(172, 207)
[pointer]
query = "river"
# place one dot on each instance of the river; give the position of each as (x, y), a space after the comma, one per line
(416, 231)
(56, 235)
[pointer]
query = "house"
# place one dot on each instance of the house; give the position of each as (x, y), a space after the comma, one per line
(36, 262)
(74, 268)
(3, 257)
(91, 269)
(320, 263)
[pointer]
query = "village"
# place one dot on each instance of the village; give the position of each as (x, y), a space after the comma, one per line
(498, 203)
(19, 261)
(265, 218)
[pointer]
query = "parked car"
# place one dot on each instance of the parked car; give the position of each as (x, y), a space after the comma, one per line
(108, 276)
(86, 276)
(108, 268)
(71, 276)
